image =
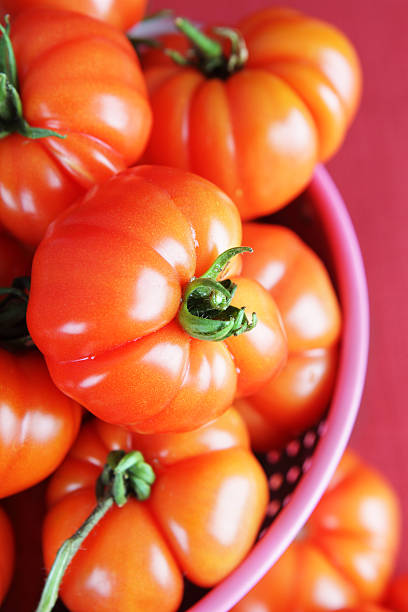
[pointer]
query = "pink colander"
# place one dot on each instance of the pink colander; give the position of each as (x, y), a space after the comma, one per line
(299, 474)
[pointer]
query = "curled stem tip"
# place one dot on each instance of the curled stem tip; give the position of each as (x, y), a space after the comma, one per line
(206, 312)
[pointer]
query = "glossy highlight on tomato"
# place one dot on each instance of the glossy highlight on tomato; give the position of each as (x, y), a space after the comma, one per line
(121, 14)
(80, 78)
(106, 287)
(201, 519)
(256, 131)
(299, 283)
(344, 556)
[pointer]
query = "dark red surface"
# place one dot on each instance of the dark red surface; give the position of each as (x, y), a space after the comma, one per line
(371, 171)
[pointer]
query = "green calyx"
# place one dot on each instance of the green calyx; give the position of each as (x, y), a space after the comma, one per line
(14, 334)
(207, 54)
(11, 110)
(124, 475)
(206, 312)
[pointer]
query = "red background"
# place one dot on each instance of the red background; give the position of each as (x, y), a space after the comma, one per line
(371, 171)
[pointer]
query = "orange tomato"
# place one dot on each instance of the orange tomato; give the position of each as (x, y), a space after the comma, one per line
(6, 554)
(38, 423)
(256, 130)
(299, 283)
(119, 13)
(81, 78)
(344, 555)
(106, 288)
(201, 519)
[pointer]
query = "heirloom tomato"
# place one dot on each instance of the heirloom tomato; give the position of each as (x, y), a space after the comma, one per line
(76, 77)
(254, 117)
(6, 553)
(119, 13)
(202, 516)
(107, 285)
(299, 283)
(343, 556)
(38, 423)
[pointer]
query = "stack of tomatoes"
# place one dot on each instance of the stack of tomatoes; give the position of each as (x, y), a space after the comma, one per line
(141, 305)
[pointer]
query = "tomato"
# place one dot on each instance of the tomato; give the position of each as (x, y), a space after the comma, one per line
(345, 553)
(119, 13)
(201, 519)
(255, 127)
(80, 78)
(106, 287)
(38, 423)
(6, 553)
(397, 594)
(299, 283)
(365, 608)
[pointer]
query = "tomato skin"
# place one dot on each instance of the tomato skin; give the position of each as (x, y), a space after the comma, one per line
(343, 556)
(121, 14)
(6, 553)
(124, 256)
(79, 77)
(38, 424)
(300, 285)
(304, 80)
(136, 555)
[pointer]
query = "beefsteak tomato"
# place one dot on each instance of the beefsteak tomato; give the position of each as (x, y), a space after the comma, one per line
(119, 13)
(80, 78)
(106, 288)
(201, 518)
(344, 555)
(299, 283)
(254, 119)
(6, 553)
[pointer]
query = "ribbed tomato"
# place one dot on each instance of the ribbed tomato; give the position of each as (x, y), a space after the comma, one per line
(344, 555)
(299, 283)
(119, 13)
(254, 124)
(201, 518)
(80, 78)
(108, 283)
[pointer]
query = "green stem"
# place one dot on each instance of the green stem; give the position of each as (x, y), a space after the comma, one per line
(66, 553)
(206, 312)
(207, 47)
(124, 474)
(11, 110)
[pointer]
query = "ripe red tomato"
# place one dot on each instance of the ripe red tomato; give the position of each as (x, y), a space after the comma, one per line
(343, 556)
(6, 554)
(38, 423)
(106, 287)
(81, 78)
(201, 519)
(119, 13)
(256, 128)
(366, 608)
(299, 283)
